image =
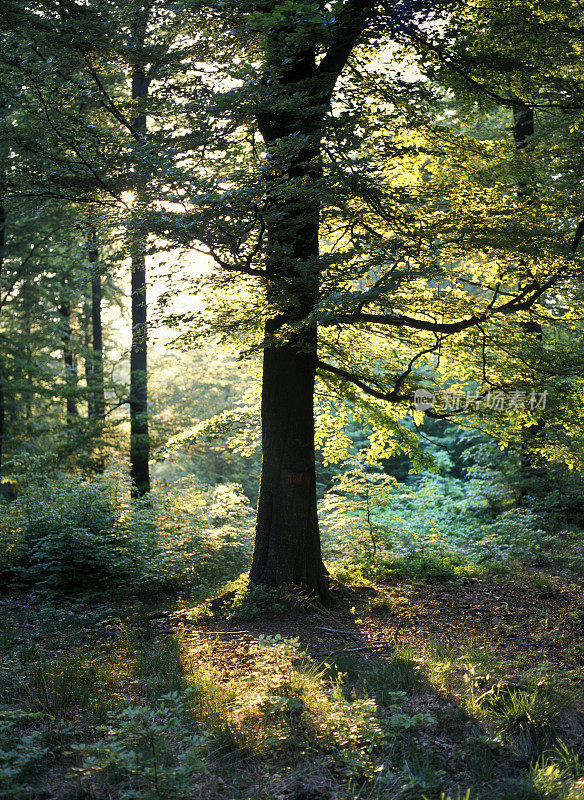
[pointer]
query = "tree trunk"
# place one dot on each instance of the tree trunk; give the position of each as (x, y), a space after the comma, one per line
(287, 544)
(534, 477)
(287, 540)
(70, 366)
(94, 358)
(88, 358)
(2, 248)
(2, 412)
(139, 438)
(296, 94)
(28, 389)
(97, 387)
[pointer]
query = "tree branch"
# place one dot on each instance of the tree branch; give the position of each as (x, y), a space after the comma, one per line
(359, 380)
(352, 19)
(521, 302)
(364, 382)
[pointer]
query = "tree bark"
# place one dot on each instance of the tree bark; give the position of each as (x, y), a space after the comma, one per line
(69, 363)
(97, 386)
(2, 393)
(94, 358)
(88, 357)
(2, 412)
(287, 544)
(523, 132)
(287, 541)
(139, 437)
(3, 167)
(534, 477)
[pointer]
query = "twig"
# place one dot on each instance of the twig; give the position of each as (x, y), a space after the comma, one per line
(336, 630)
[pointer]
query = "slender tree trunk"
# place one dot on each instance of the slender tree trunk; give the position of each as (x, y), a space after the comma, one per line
(70, 365)
(97, 386)
(29, 383)
(88, 361)
(139, 438)
(2, 412)
(94, 357)
(2, 370)
(3, 167)
(533, 476)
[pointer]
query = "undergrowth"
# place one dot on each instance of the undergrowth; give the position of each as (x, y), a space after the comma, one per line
(133, 713)
(66, 534)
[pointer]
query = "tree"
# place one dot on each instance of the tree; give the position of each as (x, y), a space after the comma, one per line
(287, 544)
(536, 73)
(139, 439)
(95, 150)
(397, 289)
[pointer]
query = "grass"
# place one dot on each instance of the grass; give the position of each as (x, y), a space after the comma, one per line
(388, 605)
(101, 701)
(529, 717)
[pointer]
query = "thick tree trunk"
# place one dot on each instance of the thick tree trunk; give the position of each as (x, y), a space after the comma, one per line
(287, 542)
(287, 545)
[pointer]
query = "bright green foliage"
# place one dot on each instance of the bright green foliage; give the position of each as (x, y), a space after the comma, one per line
(147, 715)
(530, 718)
(70, 534)
(558, 775)
(207, 387)
(251, 601)
(438, 526)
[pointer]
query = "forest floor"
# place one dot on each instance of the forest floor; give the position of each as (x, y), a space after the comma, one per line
(522, 623)
(407, 689)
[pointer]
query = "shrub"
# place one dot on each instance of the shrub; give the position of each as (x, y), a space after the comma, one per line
(428, 521)
(515, 533)
(204, 536)
(69, 534)
(69, 537)
(22, 749)
(148, 752)
(423, 566)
